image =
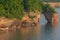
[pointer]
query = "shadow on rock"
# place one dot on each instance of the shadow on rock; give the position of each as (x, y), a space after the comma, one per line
(28, 24)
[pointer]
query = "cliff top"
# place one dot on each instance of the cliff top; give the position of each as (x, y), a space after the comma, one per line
(50, 0)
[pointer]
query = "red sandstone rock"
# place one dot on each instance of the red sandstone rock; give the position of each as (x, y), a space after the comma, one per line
(52, 18)
(55, 19)
(48, 16)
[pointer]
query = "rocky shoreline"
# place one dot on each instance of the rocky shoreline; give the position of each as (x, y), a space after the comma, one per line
(6, 23)
(51, 17)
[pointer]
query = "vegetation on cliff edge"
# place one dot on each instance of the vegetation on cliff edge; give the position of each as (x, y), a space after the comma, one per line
(32, 5)
(47, 7)
(15, 8)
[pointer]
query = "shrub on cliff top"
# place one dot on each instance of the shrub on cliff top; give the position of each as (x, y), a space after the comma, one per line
(15, 8)
(11, 8)
(47, 7)
(31, 5)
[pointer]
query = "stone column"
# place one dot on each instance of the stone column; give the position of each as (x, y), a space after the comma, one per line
(51, 17)
(55, 19)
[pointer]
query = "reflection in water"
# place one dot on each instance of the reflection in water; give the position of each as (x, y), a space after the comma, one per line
(25, 33)
(3, 35)
(30, 33)
(15, 35)
(47, 32)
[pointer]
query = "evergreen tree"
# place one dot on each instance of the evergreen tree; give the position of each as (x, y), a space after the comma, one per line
(11, 8)
(31, 5)
(15, 8)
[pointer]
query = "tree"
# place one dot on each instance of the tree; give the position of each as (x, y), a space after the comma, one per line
(11, 8)
(31, 5)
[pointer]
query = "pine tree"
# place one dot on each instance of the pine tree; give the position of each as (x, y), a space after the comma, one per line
(11, 8)
(31, 5)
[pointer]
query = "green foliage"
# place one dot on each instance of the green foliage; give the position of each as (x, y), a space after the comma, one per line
(15, 8)
(11, 8)
(51, 9)
(31, 5)
(49, 0)
(32, 17)
(47, 7)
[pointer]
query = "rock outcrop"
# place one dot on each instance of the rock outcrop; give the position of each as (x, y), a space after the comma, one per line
(48, 16)
(27, 21)
(6, 23)
(51, 17)
(55, 19)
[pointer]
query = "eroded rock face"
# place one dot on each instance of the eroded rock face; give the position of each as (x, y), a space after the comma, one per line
(4, 22)
(48, 16)
(8, 23)
(26, 21)
(55, 19)
(37, 15)
(51, 17)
